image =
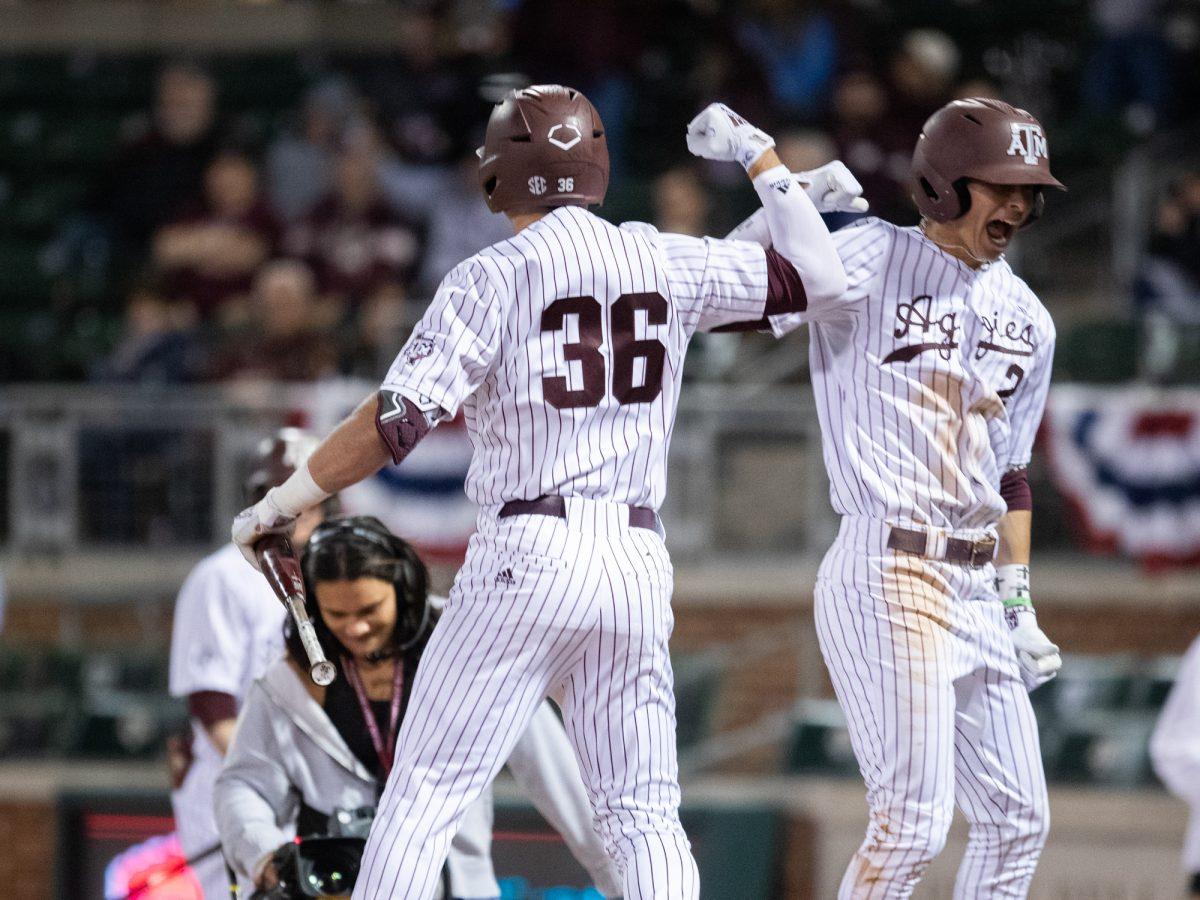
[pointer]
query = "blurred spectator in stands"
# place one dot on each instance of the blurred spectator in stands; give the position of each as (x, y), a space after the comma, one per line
(1175, 752)
(159, 343)
(595, 47)
(923, 74)
(287, 337)
(681, 202)
(422, 93)
(796, 44)
(681, 206)
(164, 167)
(876, 147)
(210, 253)
(299, 167)
(459, 223)
(357, 244)
(805, 148)
(1169, 283)
(1128, 72)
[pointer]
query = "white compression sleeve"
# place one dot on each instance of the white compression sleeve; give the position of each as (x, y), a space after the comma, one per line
(298, 492)
(799, 235)
(753, 229)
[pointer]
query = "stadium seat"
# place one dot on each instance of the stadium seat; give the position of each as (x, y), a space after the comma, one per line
(697, 679)
(1109, 748)
(1105, 351)
(820, 742)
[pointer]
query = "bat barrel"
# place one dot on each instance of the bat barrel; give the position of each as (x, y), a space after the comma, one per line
(279, 565)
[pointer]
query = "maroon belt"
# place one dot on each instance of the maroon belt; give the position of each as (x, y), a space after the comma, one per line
(968, 553)
(639, 516)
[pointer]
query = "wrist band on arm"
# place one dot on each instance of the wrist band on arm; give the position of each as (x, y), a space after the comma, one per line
(1012, 585)
(298, 493)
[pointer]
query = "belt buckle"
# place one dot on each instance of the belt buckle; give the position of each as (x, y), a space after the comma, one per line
(983, 551)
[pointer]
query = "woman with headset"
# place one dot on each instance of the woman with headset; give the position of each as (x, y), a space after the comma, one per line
(304, 753)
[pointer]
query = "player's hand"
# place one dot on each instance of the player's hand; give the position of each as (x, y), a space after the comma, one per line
(719, 133)
(833, 188)
(257, 521)
(1039, 659)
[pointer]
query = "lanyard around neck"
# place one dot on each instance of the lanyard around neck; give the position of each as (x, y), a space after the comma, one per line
(385, 751)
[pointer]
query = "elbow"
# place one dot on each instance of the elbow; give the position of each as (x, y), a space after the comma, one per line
(826, 284)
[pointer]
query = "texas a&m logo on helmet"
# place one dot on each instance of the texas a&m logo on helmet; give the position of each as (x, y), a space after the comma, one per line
(1028, 142)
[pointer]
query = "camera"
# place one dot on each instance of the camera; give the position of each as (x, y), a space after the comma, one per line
(322, 865)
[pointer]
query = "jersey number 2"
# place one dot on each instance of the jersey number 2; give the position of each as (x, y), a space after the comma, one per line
(625, 350)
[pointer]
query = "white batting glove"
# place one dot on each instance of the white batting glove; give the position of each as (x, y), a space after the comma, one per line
(257, 521)
(1039, 659)
(832, 188)
(720, 134)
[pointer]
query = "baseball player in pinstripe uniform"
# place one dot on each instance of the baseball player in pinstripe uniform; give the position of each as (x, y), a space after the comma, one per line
(930, 374)
(564, 347)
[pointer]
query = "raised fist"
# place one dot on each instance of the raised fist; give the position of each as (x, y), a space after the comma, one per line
(833, 188)
(719, 133)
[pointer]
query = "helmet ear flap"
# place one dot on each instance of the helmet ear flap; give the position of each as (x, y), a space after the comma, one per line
(963, 194)
(1038, 207)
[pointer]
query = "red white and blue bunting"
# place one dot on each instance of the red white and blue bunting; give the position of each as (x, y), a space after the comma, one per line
(423, 500)
(1128, 460)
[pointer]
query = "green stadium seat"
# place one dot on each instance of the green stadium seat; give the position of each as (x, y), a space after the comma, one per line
(39, 210)
(1103, 748)
(1097, 352)
(22, 281)
(697, 679)
(820, 742)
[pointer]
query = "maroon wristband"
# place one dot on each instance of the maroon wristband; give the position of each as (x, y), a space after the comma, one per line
(211, 707)
(1014, 488)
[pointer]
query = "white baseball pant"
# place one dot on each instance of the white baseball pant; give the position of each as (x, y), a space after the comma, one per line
(576, 607)
(922, 664)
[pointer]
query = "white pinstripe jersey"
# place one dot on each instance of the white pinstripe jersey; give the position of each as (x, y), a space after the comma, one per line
(905, 416)
(1011, 337)
(564, 346)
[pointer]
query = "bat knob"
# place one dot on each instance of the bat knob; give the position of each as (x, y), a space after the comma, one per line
(323, 673)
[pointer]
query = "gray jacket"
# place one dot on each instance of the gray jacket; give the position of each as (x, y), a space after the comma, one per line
(285, 749)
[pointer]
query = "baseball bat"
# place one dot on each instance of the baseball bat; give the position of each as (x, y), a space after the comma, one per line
(278, 562)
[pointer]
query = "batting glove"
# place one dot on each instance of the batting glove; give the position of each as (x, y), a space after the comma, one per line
(833, 188)
(720, 134)
(1038, 658)
(263, 518)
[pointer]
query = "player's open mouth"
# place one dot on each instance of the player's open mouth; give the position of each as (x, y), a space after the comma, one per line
(1000, 232)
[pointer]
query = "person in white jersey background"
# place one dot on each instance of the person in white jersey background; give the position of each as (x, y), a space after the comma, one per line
(227, 629)
(564, 347)
(1175, 752)
(930, 375)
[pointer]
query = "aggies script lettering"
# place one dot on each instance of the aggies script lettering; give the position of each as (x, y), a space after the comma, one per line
(917, 314)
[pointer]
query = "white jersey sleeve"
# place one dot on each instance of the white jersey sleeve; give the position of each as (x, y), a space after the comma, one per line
(454, 345)
(715, 282)
(862, 246)
(1027, 404)
(1175, 744)
(208, 636)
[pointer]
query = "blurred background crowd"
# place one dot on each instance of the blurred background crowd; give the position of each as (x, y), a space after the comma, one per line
(219, 217)
(168, 218)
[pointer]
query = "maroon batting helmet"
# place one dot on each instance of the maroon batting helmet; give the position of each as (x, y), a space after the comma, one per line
(980, 139)
(544, 147)
(276, 458)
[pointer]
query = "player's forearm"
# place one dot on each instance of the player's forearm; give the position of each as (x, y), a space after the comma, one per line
(353, 451)
(1014, 533)
(797, 230)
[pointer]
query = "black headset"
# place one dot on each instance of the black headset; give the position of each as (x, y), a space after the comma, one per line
(411, 580)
